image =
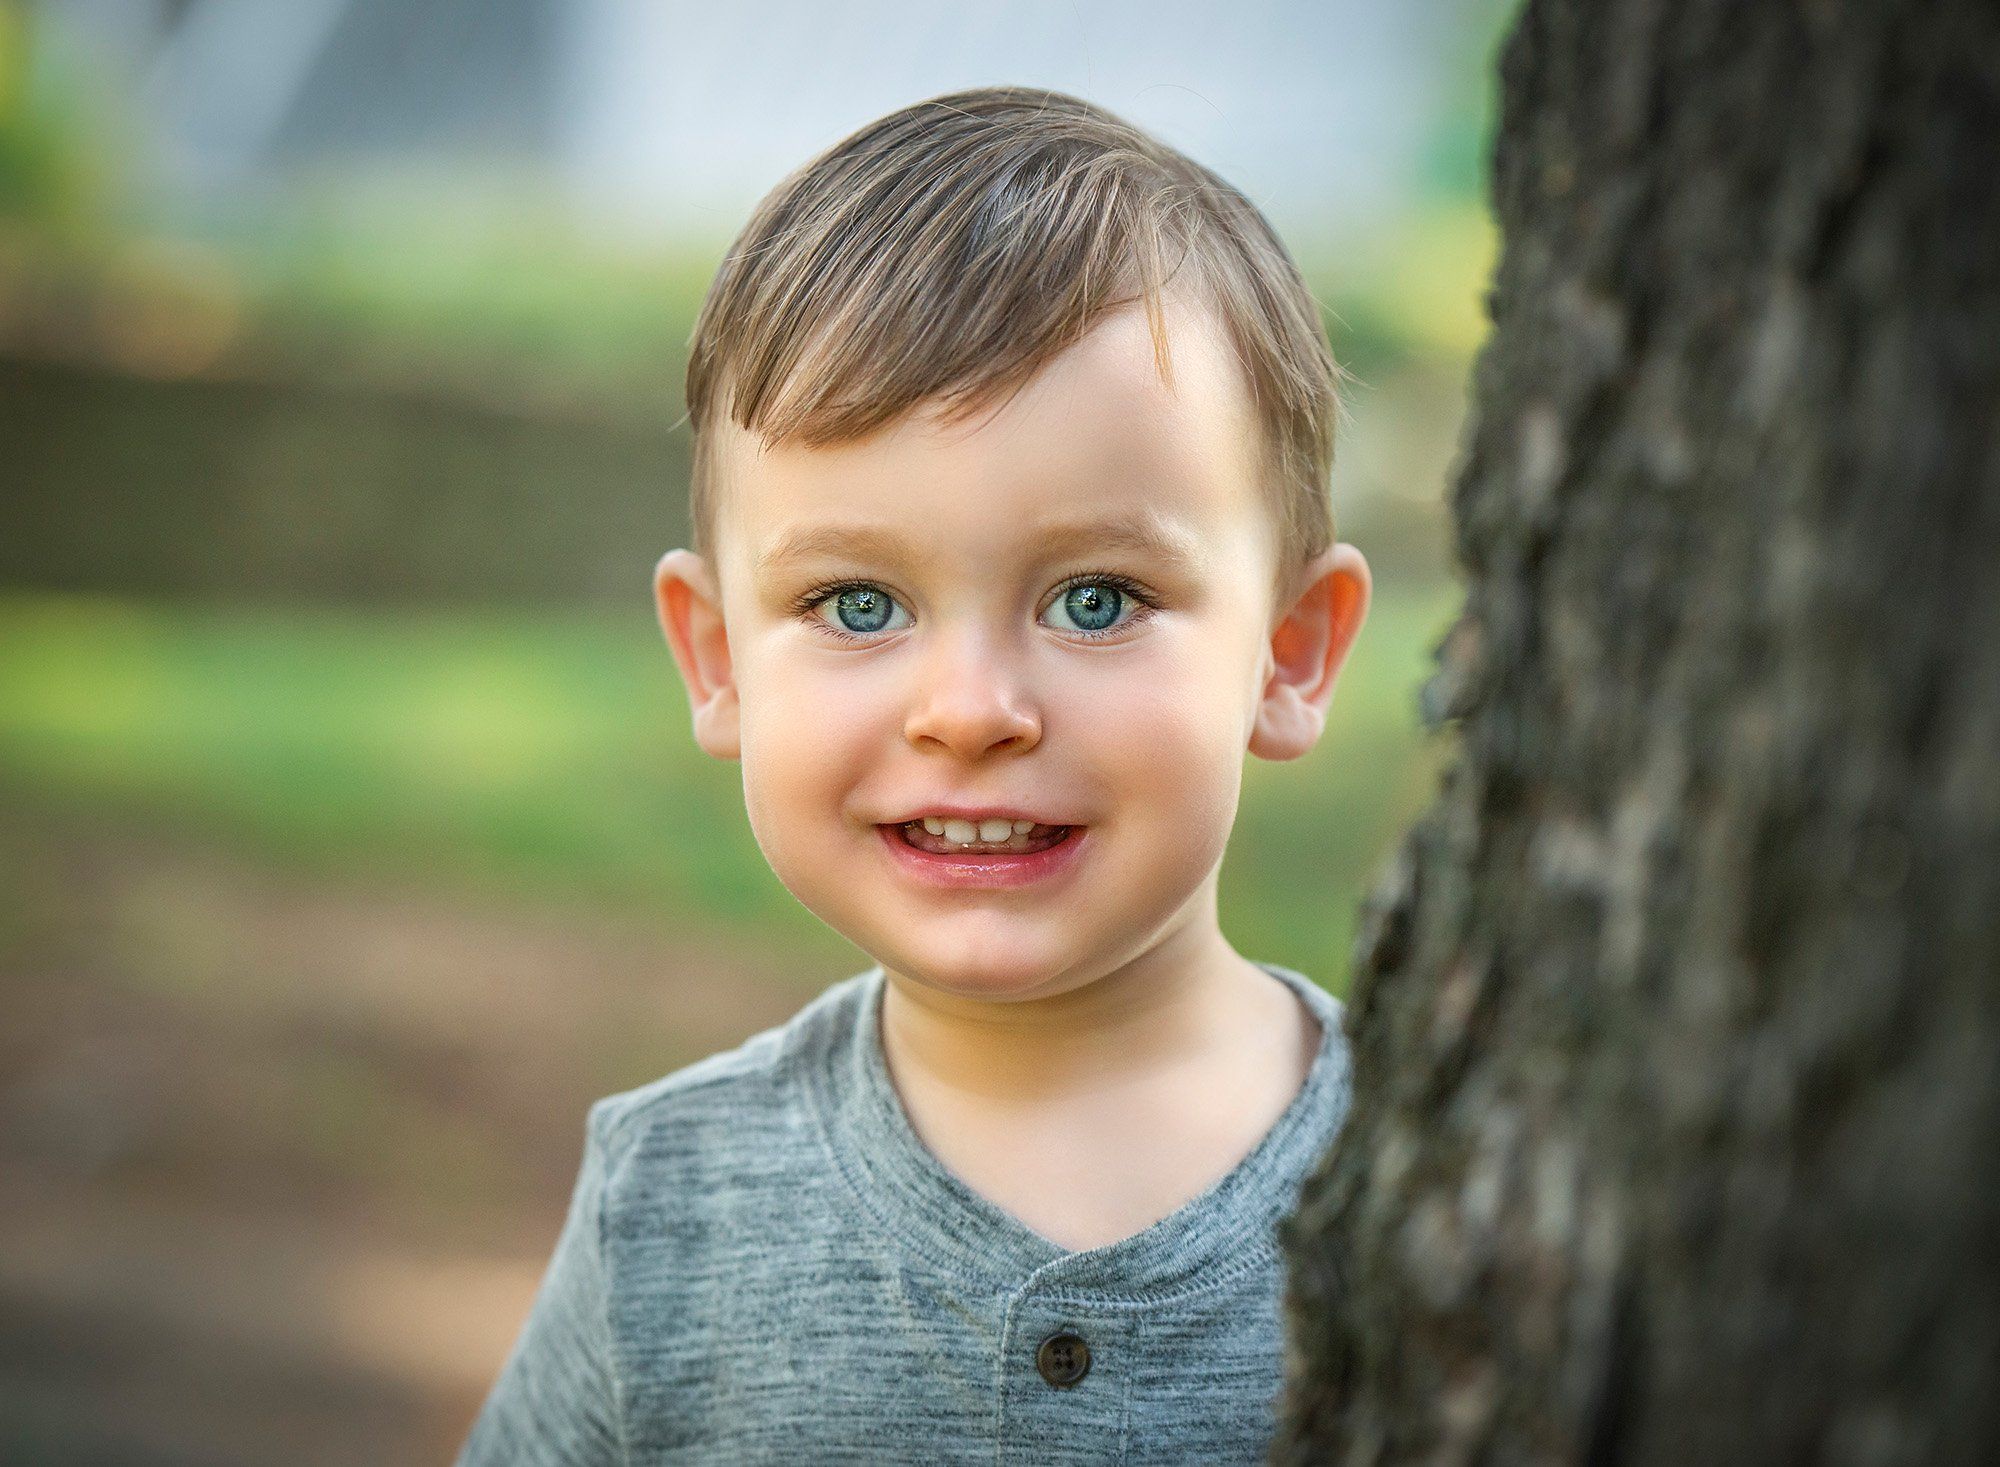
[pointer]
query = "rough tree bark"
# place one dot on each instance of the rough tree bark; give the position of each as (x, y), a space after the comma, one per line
(1677, 1019)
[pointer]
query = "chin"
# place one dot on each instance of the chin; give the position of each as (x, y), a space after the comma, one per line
(997, 954)
(992, 971)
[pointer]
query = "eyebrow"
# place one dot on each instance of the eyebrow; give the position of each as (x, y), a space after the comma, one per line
(1149, 537)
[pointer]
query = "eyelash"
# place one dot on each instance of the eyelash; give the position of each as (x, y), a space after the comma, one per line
(804, 604)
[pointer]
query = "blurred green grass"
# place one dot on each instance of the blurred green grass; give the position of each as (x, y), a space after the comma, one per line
(548, 753)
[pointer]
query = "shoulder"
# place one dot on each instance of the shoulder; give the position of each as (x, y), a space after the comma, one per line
(718, 1113)
(1324, 1006)
(1330, 1080)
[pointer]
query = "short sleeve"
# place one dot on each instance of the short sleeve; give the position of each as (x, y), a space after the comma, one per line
(555, 1401)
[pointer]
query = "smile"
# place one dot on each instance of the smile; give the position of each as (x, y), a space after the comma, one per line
(948, 837)
(1037, 854)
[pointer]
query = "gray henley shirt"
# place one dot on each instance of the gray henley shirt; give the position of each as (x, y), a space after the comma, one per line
(762, 1263)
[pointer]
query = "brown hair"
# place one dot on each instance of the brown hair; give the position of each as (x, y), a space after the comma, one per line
(953, 247)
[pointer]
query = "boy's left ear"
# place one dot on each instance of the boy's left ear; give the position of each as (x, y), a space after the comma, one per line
(1308, 646)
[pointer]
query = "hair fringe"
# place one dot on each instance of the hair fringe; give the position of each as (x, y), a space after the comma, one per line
(1016, 217)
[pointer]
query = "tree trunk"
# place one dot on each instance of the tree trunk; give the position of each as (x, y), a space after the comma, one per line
(1677, 1018)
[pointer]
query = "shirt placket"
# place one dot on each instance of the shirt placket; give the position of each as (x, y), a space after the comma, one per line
(1065, 1377)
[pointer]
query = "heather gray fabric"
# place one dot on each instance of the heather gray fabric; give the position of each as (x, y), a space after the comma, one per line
(762, 1263)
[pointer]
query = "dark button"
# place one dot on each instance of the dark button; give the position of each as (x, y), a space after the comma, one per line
(1063, 1360)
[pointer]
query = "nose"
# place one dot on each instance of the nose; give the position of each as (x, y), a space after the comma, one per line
(971, 700)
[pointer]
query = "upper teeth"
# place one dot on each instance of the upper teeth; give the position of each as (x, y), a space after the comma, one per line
(964, 831)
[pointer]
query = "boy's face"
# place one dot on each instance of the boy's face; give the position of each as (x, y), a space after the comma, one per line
(958, 668)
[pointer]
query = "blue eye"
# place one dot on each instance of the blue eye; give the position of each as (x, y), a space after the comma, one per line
(859, 611)
(1091, 606)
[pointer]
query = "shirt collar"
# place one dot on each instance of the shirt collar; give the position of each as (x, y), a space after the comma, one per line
(1227, 1229)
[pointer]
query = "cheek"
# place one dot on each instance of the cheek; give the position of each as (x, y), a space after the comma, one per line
(1169, 731)
(1160, 738)
(810, 732)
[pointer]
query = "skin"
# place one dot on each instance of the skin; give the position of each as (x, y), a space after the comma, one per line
(1110, 993)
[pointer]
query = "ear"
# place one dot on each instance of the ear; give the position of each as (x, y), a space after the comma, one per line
(1308, 646)
(690, 607)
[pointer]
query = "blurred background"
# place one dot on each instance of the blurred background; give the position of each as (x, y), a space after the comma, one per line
(352, 839)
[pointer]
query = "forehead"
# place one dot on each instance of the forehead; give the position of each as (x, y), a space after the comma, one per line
(1095, 435)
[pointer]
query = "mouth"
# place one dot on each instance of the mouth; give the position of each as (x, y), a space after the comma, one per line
(1024, 837)
(1033, 855)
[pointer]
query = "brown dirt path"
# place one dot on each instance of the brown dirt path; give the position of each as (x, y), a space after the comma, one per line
(281, 1159)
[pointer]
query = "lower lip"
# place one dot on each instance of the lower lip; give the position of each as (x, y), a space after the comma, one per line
(983, 868)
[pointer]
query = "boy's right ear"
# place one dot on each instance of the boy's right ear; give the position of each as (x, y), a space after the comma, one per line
(690, 606)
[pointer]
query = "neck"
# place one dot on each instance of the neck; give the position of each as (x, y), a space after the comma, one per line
(1169, 1008)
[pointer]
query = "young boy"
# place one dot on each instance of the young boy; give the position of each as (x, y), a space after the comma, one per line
(1012, 434)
